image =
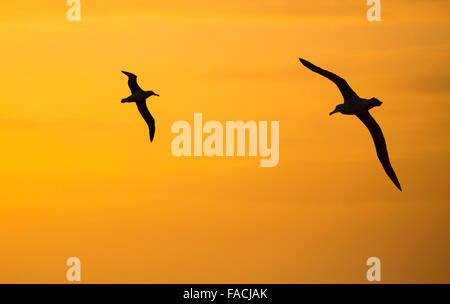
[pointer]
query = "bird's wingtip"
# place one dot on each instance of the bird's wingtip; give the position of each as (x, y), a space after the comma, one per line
(306, 63)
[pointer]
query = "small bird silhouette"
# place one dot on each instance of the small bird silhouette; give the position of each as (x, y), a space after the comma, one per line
(354, 105)
(139, 96)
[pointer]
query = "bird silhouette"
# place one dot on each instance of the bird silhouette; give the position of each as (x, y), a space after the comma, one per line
(354, 105)
(139, 96)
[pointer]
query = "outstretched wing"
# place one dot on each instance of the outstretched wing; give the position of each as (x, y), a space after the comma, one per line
(343, 86)
(142, 107)
(380, 145)
(132, 82)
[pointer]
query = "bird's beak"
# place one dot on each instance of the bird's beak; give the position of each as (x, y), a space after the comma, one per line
(156, 94)
(333, 112)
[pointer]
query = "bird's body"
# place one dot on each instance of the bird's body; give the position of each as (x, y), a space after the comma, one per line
(354, 105)
(139, 97)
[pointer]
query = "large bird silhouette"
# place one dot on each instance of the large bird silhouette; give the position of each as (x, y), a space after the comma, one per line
(354, 105)
(139, 96)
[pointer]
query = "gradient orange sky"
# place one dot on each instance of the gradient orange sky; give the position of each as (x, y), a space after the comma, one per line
(80, 178)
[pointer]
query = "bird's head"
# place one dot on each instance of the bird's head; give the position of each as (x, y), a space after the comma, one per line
(151, 93)
(336, 110)
(128, 74)
(375, 102)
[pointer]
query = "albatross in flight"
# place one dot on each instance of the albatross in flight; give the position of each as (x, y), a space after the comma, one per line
(354, 105)
(139, 96)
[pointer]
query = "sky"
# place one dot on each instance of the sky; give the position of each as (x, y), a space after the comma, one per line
(80, 177)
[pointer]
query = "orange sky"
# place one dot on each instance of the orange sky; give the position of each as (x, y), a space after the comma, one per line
(80, 177)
